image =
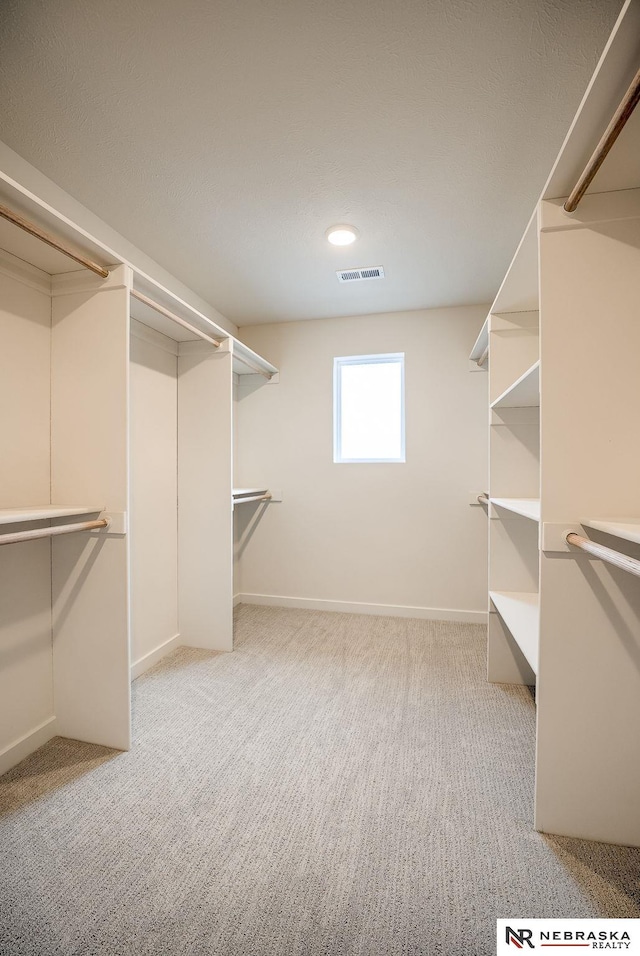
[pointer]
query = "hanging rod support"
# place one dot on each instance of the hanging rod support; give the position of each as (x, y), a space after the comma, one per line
(613, 130)
(483, 499)
(605, 554)
(17, 536)
(160, 309)
(50, 240)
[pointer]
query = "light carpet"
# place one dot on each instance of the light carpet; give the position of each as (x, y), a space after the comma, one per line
(340, 784)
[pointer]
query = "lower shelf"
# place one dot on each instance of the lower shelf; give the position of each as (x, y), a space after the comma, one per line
(520, 611)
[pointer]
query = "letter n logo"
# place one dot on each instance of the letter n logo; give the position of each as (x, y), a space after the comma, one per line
(519, 937)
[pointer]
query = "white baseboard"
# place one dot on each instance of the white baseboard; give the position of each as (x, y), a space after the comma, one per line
(351, 607)
(27, 744)
(148, 660)
(237, 599)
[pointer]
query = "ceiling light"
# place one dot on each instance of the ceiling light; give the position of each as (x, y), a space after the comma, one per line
(342, 235)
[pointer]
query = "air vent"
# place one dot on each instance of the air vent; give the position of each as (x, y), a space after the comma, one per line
(357, 275)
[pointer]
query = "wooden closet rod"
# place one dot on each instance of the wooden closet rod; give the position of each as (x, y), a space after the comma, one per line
(52, 532)
(174, 318)
(605, 554)
(254, 367)
(242, 501)
(613, 130)
(50, 240)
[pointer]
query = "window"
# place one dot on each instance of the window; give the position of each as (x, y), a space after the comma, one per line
(368, 408)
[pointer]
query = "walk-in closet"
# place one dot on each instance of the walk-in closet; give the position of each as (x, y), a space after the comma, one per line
(319, 477)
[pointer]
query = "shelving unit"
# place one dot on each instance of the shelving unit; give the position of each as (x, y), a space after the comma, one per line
(102, 366)
(44, 512)
(520, 611)
(564, 401)
(626, 528)
(525, 507)
(524, 393)
(248, 362)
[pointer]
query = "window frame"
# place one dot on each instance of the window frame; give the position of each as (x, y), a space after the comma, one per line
(382, 358)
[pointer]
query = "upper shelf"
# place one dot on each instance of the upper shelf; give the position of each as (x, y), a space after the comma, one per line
(627, 528)
(248, 362)
(611, 79)
(526, 507)
(481, 342)
(519, 289)
(26, 248)
(43, 512)
(524, 392)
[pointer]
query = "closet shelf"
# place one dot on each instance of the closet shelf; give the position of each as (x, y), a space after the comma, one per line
(481, 343)
(43, 512)
(524, 392)
(248, 362)
(519, 289)
(243, 496)
(526, 507)
(520, 611)
(627, 528)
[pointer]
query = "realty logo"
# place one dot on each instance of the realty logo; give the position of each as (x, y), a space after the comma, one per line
(561, 935)
(518, 937)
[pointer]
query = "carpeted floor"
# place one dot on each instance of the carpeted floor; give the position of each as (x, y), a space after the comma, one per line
(338, 785)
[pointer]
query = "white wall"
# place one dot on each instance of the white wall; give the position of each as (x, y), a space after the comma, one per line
(154, 494)
(376, 535)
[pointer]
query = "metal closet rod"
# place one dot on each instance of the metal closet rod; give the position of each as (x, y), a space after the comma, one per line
(174, 318)
(605, 554)
(483, 499)
(16, 536)
(613, 130)
(50, 240)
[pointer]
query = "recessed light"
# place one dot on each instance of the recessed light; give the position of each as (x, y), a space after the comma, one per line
(342, 235)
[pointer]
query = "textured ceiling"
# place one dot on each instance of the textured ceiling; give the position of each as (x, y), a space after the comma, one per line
(224, 136)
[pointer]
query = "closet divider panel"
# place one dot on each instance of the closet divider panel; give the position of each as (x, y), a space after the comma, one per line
(26, 682)
(89, 441)
(205, 518)
(153, 529)
(588, 766)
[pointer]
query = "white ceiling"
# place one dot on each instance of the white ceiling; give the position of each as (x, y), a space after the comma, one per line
(223, 137)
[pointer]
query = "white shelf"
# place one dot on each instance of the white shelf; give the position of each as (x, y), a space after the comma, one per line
(43, 512)
(519, 289)
(246, 492)
(627, 528)
(520, 611)
(248, 362)
(526, 507)
(524, 392)
(481, 342)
